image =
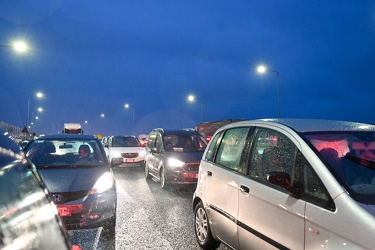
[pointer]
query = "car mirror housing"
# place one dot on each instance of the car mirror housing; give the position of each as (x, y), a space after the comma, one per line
(154, 150)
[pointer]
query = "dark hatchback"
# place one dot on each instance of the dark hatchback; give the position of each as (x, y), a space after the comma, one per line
(28, 217)
(173, 156)
(82, 186)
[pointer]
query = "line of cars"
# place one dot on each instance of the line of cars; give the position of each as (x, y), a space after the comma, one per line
(263, 184)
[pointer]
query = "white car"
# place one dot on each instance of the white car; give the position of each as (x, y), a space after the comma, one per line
(287, 184)
(127, 147)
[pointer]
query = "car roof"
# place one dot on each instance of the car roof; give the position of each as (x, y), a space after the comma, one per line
(67, 136)
(311, 125)
(176, 131)
(126, 136)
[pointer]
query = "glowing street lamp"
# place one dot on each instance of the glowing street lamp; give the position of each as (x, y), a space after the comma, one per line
(38, 95)
(192, 98)
(130, 106)
(261, 69)
(19, 46)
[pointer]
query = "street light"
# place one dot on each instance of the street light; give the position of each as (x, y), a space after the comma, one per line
(192, 98)
(130, 106)
(38, 95)
(19, 46)
(261, 69)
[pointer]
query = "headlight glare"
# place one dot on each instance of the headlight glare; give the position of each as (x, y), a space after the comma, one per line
(104, 183)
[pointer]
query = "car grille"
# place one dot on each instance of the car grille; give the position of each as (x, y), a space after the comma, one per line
(73, 221)
(129, 155)
(64, 197)
(191, 167)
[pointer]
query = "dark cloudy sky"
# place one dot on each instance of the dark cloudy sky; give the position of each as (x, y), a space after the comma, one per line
(90, 57)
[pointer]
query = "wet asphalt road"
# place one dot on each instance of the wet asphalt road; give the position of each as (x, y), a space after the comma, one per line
(148, 217)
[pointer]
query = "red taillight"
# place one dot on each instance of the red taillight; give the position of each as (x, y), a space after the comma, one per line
(68, 210)
(189, 175)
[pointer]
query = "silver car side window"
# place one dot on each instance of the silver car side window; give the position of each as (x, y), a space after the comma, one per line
(272, 152)
(231, 148)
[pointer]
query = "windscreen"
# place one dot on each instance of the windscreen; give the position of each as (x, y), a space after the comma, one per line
(65, 152)
(351, 156)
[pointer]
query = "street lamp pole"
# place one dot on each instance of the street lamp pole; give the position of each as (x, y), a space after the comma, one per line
(262, 69)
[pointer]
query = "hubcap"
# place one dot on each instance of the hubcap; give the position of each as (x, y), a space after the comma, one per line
(201, 224)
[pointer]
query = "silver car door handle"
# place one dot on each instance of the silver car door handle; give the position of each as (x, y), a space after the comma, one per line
(244, 189)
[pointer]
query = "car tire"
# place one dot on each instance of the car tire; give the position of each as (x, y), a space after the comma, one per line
(202, 228)
(163, 179)
(147, 173)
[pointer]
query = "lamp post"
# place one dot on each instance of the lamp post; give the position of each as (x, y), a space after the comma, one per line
(192, 98)
(34, 118)
(263, 69)
(19, 46)
(130, 106)
(38, 95)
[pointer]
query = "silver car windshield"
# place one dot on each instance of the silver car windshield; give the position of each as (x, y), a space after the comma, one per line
(65, 152)
(351, 156)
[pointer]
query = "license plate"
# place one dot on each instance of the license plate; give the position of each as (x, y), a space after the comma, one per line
(64, 211)
(129, 160)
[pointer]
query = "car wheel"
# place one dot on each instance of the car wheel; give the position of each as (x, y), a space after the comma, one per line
(163, 180)
(202, 229)
(147, 173)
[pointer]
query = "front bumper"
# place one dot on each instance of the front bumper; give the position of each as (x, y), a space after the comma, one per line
(91, 211)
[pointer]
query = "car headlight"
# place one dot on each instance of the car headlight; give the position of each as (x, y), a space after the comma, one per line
(174, 163)
(104, 183)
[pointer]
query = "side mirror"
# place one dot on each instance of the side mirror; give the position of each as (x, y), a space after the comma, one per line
(282, 180)
(116, 161)
(154, 150)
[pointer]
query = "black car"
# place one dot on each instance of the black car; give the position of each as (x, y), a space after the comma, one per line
(78, 175)
(173, 156)
(28, 217)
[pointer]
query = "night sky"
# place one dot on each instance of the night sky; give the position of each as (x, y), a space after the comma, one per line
(91, 57)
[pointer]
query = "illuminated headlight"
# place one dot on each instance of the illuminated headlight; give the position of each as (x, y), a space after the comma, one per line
(174, 163)
(104, 183)
(142, 153)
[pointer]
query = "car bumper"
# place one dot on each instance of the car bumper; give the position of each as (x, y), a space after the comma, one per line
(183, 178)
(92, 211)
(130, 162)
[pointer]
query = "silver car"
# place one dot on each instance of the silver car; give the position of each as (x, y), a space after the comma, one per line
(289, 184)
